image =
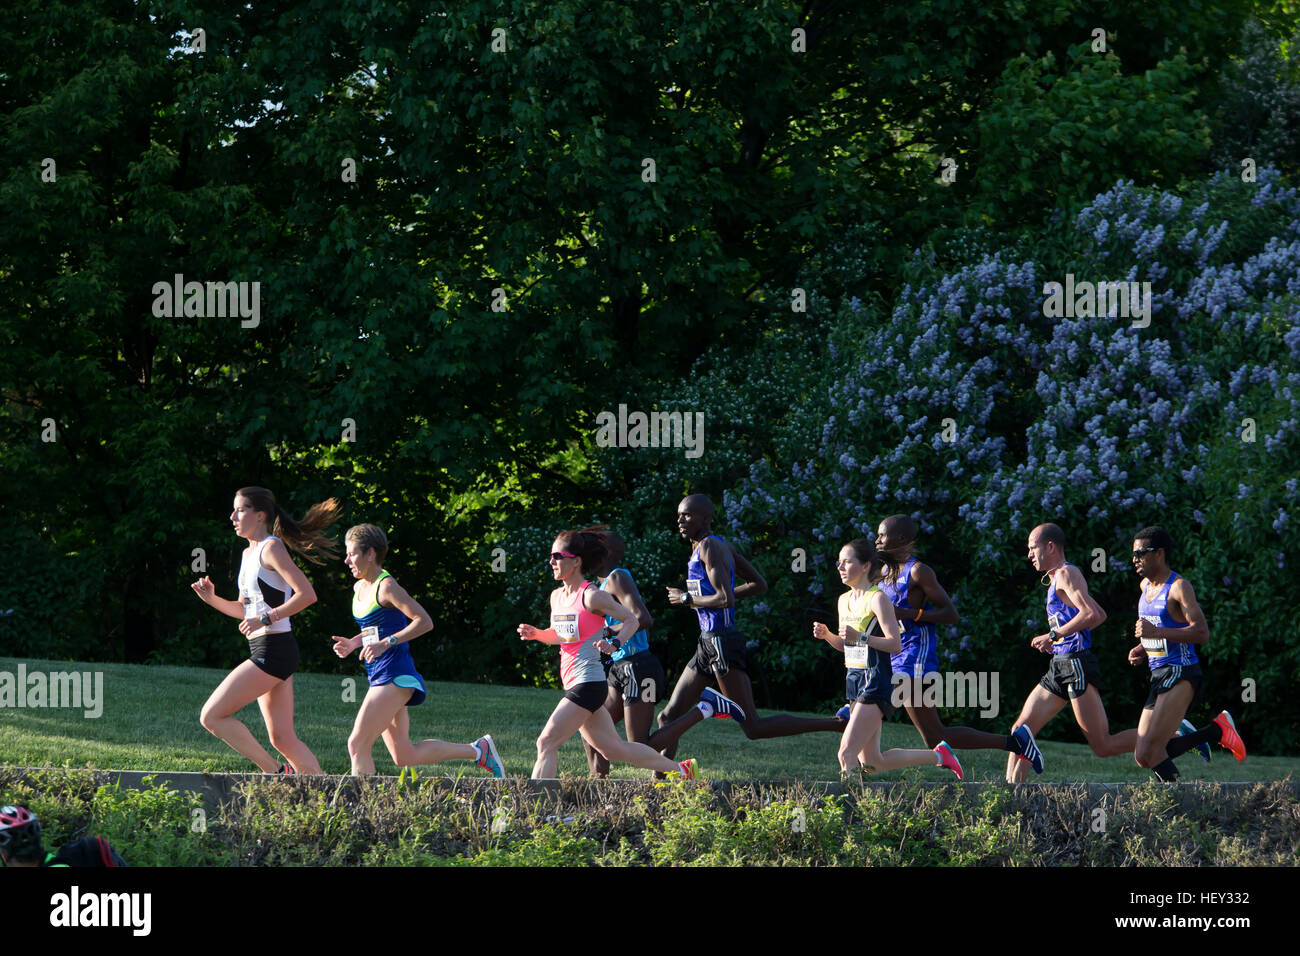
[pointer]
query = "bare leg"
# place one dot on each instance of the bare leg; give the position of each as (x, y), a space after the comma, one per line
(1157, 725)
(681, 714)
(1040, 706)
(277, 711)
(564, 722)
(735, 684)
(397, 738)
(597, 764)
(1091, 717)
(245, 684)
(600, 733)
(861, 743)
(927, 723)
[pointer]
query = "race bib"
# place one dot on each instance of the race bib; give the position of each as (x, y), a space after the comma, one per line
(693, 587)
(1155, 646)
(566, 626)
(855, 655)
(369, 635)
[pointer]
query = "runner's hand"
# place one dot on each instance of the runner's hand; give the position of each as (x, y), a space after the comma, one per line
(820, 631)
(343, 646)
(373, 652)
(527, 632)
(1136, 654)
(204, 589)
(844, 634)
(605, 647)
(1143, 628)
(1043, 642)
(676, 596)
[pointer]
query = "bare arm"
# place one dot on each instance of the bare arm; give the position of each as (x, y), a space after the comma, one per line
(207, 593)
(932, 592)
(624, 590)
(892, 642)
(1182, 607)
(276, 557)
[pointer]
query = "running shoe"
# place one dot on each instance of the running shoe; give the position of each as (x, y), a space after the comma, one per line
(723, 706)
(1187, 727)
(285, 768)
(843, 712)
(948, 759)
(488, 758)
(689, 767)
(1230, 740)
(1028, 749)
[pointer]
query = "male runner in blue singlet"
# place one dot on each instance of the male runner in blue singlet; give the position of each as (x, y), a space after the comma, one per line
(1170, 624)
(721, 653)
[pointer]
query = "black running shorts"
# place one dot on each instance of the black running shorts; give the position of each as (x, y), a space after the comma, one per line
(277, 654)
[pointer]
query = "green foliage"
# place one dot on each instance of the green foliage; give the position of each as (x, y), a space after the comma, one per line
(345, 822)
(1058, 134)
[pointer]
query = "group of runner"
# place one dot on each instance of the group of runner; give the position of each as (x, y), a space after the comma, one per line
(887, 625)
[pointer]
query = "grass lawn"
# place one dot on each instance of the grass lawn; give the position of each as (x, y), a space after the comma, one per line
(150, 721)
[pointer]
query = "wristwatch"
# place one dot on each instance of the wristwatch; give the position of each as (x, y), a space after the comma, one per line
(266, 619)
(391, 640)
(689, 599)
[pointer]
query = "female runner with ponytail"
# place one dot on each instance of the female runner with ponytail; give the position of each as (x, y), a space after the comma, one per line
(271, 589)
(578, 626)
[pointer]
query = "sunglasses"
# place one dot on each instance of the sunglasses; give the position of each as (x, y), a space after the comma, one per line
(1141, 551)
(557, 555)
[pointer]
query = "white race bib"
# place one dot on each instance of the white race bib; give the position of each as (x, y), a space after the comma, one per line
(693, 587)
(855, 655)
(1155, 646)
(566, 626)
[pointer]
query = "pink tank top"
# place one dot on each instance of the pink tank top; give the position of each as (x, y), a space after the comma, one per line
(576, 627)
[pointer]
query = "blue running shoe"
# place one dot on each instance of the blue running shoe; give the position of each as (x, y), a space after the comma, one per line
(1028, 749)
(488, 758)
(723, 706)
(843, 712)
(1187, 727)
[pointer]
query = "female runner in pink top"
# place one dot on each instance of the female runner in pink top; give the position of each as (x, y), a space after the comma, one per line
(578, 614)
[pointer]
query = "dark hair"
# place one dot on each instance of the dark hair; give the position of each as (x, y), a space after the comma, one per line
(306, 536)
(587, 545)
(369, 536)
(866, 552)
(1051, 533)
(1157, 537)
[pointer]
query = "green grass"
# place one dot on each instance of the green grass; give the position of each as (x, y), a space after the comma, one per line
(150, 721)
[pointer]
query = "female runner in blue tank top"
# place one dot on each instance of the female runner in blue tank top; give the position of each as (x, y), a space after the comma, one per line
(864, 612)
(1170, 624)
(576, 626)
(271, 588)
(378, 601)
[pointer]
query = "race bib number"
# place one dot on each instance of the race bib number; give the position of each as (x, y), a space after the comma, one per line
(693, 587)
(1155, 646)
(369, 635)
(566, 626)
(855, 655)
